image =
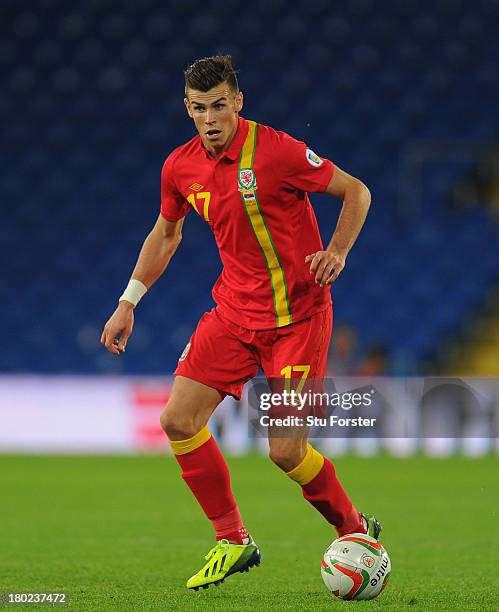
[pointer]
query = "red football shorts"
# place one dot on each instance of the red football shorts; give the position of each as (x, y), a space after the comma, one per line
(224, 355)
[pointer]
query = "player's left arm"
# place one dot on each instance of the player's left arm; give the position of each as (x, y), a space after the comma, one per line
(327, 265)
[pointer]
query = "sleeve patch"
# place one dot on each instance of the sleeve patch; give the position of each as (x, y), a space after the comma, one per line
(313, 159)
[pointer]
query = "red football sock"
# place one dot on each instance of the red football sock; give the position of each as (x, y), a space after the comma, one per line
(205, 471)
(230, 527)
(323, 490)
(327, 495)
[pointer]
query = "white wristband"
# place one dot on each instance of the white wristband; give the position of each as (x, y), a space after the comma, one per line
(134, 292)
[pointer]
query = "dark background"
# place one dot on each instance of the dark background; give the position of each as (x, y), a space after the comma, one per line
(403, 98)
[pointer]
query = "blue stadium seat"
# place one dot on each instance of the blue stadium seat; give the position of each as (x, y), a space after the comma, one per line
(92, 104)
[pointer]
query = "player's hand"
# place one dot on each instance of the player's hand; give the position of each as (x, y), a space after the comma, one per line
(118, 329)
(325, 266)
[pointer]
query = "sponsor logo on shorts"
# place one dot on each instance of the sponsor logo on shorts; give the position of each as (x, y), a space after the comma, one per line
(185, 352)
(196, 187)
(313, 159)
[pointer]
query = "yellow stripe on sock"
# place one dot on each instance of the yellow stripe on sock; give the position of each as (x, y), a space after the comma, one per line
(308, 469)
(182, 447)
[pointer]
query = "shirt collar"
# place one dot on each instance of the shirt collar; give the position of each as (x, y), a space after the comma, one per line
(234, 150)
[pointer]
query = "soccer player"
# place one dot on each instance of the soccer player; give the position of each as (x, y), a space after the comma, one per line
(273, 310)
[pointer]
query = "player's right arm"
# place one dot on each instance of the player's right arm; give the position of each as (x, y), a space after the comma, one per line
(157, 250)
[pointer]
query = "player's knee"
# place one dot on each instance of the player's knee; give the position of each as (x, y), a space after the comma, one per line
(285, 456)
(175, 425)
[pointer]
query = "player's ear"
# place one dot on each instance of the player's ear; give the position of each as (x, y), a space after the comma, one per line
(188, 107)
(239, 101)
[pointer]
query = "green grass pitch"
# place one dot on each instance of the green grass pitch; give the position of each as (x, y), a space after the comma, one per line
(124, 533)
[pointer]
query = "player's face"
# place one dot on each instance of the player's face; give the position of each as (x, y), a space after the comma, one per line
(215, 114)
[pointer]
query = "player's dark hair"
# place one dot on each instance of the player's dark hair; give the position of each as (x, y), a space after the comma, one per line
(209, 72)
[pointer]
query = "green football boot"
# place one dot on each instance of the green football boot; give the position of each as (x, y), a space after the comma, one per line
(223, 560)
(372, 525)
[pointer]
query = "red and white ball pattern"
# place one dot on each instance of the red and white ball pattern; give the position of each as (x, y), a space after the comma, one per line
(356, 566)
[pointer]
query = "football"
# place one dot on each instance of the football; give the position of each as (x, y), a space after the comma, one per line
(356, 566)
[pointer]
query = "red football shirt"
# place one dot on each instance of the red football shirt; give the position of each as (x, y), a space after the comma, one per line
(285, 169)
